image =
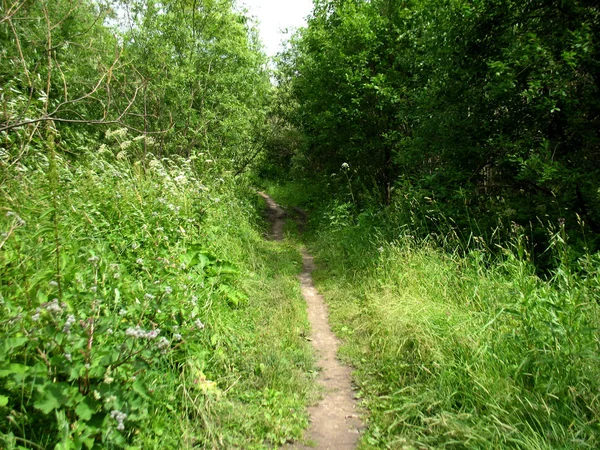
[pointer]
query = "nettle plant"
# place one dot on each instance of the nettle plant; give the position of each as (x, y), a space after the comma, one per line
(101, 280)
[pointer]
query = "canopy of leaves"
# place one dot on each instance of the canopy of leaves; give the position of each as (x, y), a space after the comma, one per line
(493, 104)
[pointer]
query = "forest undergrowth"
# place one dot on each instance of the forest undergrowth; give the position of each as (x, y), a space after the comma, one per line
(143, 308)
(454, 344)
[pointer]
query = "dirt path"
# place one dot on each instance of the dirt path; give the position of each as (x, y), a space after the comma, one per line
(334, 420)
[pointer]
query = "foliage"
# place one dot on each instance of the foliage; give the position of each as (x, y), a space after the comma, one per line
(124, 321)
(139, 300)
(493, 105)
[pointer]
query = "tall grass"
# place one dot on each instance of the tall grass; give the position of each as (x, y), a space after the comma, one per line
(458, 346)
(142, 308)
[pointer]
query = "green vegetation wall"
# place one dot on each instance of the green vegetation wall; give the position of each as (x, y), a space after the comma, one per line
(490, 104)
(190, 75)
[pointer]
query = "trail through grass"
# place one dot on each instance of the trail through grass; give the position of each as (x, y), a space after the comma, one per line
(461, 350)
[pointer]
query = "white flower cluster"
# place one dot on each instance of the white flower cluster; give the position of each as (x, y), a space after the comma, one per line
(68, 324)
(155, 164)
(54, 307)
(120, 417)
(139, 333)
(163, 344)
(181, 179)
(119, 132)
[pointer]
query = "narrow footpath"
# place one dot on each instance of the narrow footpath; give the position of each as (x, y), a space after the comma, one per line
(334, 421)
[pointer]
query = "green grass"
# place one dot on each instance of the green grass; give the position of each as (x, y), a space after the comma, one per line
(461, 349)
(137, 246)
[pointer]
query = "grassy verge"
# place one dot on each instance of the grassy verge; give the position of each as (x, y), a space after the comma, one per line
(462, 349)
(142, 308)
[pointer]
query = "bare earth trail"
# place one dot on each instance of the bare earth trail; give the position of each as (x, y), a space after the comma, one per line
(335, 424)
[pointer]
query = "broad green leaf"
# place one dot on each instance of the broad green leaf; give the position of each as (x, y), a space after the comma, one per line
(86, 409)
(52, 397)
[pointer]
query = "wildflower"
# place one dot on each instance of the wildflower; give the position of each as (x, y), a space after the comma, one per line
(153, 334)
(199, 324)
(194, 300)
(154, 164)
(135, 332)
(122, 312)
(97, 395)
(70, 321)
(117, 275)
(120, 132)
(139, 333)
(150, 140)
(139, 261)
(345, 166)
(110, 398)
(120, 418)
(216, 200)
(177, 337)
(54, 307)
(103, 149)
(36, 317)
(87, 366)
(168, 290)
(380, 249)
(149, 297)
(163, 344)
(93, 259)
(53, 284)
(109, 331)
(68, 356)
